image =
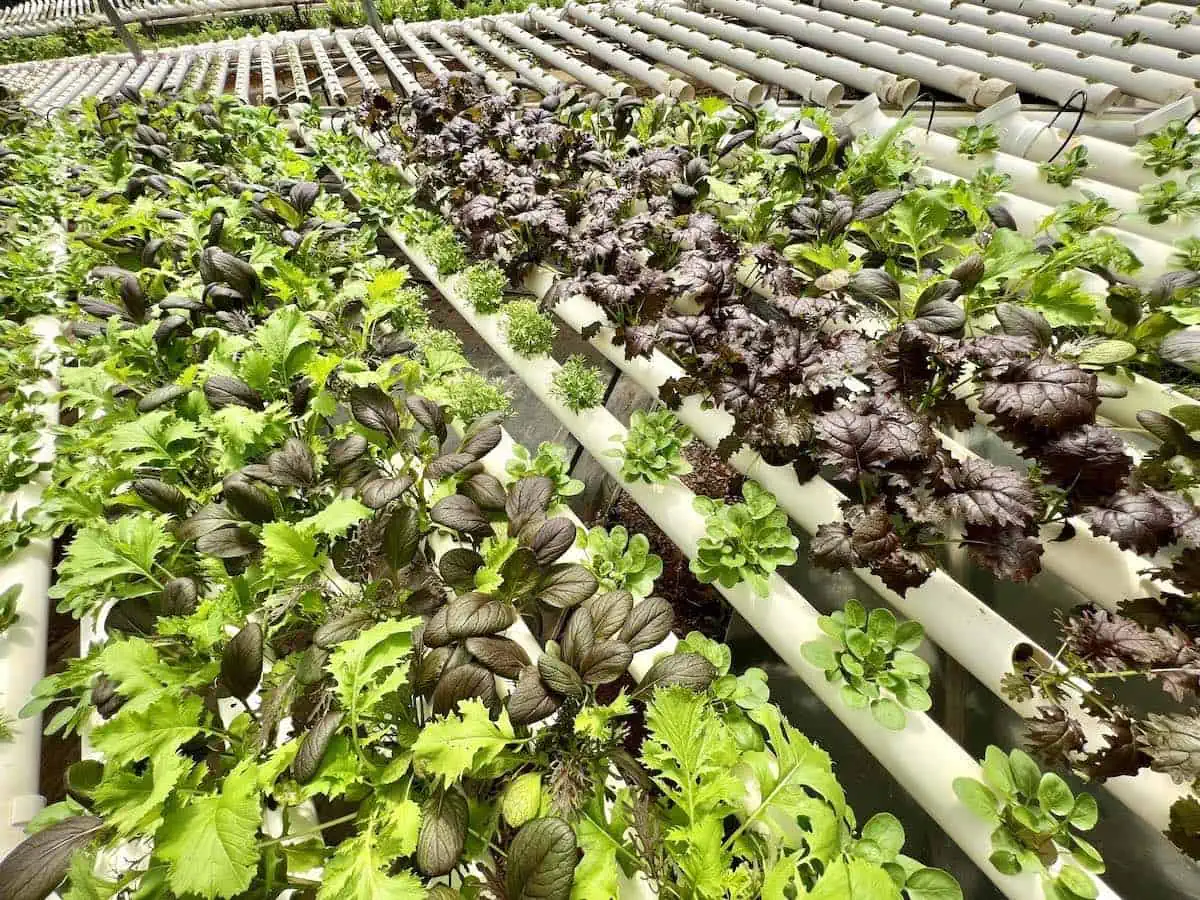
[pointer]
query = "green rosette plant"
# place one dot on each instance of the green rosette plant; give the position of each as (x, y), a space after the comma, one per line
(743, 541)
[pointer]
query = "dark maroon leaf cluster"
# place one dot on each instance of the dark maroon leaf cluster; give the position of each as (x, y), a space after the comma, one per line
(805, 388)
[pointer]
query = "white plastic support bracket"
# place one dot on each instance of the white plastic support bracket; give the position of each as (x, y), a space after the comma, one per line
(1153, 121)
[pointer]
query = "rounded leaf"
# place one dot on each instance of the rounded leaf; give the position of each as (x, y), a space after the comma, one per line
(39, 863)
(541, 861)
(443, 833)
(313, 745)
(242, 661)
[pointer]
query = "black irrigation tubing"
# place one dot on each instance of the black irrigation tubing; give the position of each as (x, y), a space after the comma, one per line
(1066, 107)
(917, 99)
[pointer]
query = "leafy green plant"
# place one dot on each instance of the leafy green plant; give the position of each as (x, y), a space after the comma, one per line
(1074, 163)
(871, 656)
(743, 541)
(551, 461)
(578, 385)
(653, 448)
(1164, 200)
(974, 140)
(528, 330)
(8, 607)
(483, 285)
(1173, 146)
(1037, 820)
(620, 561)
(470, 395)
(445, 250)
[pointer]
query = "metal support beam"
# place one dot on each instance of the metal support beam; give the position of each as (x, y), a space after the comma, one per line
(122, 32)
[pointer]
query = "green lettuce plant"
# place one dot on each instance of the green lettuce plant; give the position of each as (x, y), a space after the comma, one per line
(870, 656)
(528, 330)
(578, 385)
(743, 541)
(620, 561)
(653, 448)
(483, 285)
(1037, 822)
(551, 461)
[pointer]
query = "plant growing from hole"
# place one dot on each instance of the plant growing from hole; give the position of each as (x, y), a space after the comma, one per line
(621, 562)
(653, 448)
(8, 607)
(1073, 164)
(976, 139)
(445, 250)
(483, 286)
(870, 655)
(1037, 818)
(528, 330)
(743, 541)
(578, 385)
(1167, 199)
(551, 461)
(1170, 147)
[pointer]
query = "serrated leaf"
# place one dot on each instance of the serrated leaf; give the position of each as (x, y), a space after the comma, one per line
(467, 742)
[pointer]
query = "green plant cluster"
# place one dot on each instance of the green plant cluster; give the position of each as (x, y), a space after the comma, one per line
(871, 656)
(1038, 822)
(744, 542)
(528, 330)
(310, 574)
(653, 447)
(621, 561)
(551, 461)
(578, 385)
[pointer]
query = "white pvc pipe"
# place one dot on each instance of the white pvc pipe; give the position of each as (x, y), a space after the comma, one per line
(1147, 56)
(158, 75)
(725, 80)
(922, 758)
(398, 70)
(266, 69)
(1155, 31)
(199, 72)
(495, 82)
(587, 75)
(894, 90)
(333, 87)
(23, 645)
(764, 66)
(220, 73)
(179, 72)
(1159, 87)
(366, 80)
(615, 56)
(873, 57)
(431, 62)
(299, 79)
(542, 81)
(1154, 9)
(242, 77)
(1057, 86)
(1113, 163)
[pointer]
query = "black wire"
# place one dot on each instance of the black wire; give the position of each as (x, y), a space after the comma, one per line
(932, 108)
(1066, 107)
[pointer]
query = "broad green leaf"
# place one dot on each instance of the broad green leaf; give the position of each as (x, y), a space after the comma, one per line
(165, 725)
(289, 554)
(210, 845)
(1054, 795)
(335, 519)
(467, 742)
(371, 666)
(1085, 812)
(978, 798)
(854, 878)
(932, 884)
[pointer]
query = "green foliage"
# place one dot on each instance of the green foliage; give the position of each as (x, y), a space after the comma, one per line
(653, 448)
(871, 656)
(974, 140)
(470, 395)
(578, 385)
(743, 541)
(1037, 822)
(1173, 146)
(445, 250)
(483, 286)
(552, 461)
(621, 561)
(528, 330)
(1072, 165)
(1169, 199)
